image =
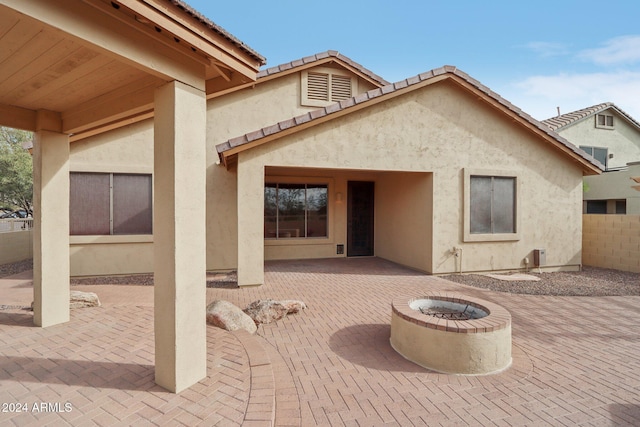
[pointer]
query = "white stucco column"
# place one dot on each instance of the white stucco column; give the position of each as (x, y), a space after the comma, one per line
(250, 224)
(179, 236)
(51, 221)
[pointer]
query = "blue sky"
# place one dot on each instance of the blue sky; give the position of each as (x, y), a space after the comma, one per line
(539, 55)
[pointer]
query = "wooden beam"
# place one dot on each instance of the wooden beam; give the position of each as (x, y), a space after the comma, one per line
(18, 118)
(233, 57)
(111, 126)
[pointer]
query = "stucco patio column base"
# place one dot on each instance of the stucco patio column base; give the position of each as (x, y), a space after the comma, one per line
(51, 222)
(179, 236)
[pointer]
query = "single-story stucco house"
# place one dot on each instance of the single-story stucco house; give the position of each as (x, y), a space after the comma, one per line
(160, 147)
(322, 158)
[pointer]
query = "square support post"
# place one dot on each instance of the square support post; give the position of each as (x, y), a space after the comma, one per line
(51, 222)
(250, 223)
(179, 236)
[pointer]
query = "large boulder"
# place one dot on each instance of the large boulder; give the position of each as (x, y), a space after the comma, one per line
(268, 310)
(79, 299)
(227, 316)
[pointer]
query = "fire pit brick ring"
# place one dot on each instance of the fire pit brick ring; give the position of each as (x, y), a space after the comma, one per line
(452, 333)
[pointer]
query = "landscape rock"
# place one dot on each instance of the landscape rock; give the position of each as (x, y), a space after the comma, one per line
(293, 306)
(227, 316)
(79, 299)
(268, 310)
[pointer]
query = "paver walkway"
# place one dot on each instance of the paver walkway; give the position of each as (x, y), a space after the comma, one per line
(576, 359)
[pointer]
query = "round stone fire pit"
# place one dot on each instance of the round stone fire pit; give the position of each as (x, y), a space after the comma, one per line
(452, 333)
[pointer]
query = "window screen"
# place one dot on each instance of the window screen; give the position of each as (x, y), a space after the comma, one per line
(104, 204)
(493, 205)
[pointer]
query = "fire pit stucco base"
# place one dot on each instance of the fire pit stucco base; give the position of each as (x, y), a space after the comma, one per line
(477, 346)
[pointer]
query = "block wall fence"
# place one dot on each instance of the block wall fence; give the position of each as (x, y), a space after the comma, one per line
(611, 241)
(16, 246)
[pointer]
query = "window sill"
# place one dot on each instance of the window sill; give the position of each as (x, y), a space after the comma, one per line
(298, 241)
(505, 237)
(129, 238)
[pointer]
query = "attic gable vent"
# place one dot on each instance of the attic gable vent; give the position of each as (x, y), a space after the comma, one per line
(340, 87)
(318, 86)
(324, 86)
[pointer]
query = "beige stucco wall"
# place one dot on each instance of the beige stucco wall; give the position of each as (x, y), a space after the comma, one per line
(130, 150)
(125, 150)
(612, 241)
(233, 115)
(616, 185)
(442, 130)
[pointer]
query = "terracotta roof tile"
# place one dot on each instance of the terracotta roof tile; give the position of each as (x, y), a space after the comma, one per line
(318, 57)
(559, 122)
(407, 83)
(218, 29)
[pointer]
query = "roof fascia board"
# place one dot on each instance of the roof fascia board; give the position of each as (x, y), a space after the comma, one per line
(197, 35)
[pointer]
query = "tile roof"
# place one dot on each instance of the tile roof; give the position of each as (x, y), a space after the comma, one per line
(394, 89)
(189, 10)
(329, 54)
(562, 121)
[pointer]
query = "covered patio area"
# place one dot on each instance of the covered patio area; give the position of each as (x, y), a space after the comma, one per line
(576, 362)
(70, 69)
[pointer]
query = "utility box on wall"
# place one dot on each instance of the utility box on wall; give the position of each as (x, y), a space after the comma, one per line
(539, 257)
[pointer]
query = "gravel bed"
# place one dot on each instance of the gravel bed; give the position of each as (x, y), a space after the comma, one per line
(590, 281)
(15, 267)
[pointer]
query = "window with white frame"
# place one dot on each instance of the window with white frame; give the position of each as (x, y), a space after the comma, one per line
(604, 121)
(491, 206)
(324, 86)
(599, 153)
(110, 204)
(295, 210)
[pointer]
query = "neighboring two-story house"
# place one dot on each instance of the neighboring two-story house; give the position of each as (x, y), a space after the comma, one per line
(612, 137)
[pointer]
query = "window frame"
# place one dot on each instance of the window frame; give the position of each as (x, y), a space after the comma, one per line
(331, 205)
(607, 118)
(591, 150)
(490, 237)
(112, 235)
(304, 85)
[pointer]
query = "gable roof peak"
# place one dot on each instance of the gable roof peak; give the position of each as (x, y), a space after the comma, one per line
(564, 120)
(235, 145)
(308, 61)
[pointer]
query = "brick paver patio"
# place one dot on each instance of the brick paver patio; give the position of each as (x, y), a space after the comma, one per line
(576, 359)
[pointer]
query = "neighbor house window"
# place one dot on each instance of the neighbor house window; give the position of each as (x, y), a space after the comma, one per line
(604, 121)
(600, 154)
(323, 86)
(110, 203)
(295, 210)
(492, 205)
